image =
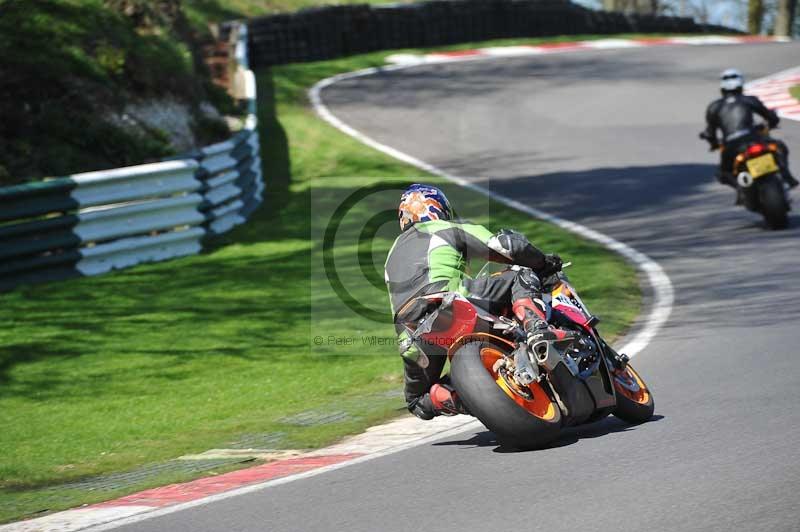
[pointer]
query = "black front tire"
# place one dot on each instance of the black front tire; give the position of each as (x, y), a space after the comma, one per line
(514, 426)
(632, 411)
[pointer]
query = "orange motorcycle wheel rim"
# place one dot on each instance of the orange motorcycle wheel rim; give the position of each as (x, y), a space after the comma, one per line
(540, 406)
(642, 396)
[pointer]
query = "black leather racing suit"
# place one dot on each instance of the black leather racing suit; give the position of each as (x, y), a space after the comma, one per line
(733, 116)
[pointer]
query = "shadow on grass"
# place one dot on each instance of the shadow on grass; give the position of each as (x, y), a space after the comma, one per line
(19, 353)
(276, 212)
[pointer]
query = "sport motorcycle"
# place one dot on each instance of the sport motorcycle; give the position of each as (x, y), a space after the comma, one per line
(527, 394)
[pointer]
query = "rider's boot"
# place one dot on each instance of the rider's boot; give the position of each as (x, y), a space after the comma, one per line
(445, 400)
(725, 177)
(534, 322)
(530, 310)
(783, 164)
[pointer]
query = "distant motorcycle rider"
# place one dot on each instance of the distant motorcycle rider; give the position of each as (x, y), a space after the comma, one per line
(431, 255)
(733, 116)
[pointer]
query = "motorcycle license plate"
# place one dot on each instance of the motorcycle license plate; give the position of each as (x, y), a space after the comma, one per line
(762, 165)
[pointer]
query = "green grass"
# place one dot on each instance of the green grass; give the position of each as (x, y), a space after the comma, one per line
(795, 91)
(110, 373)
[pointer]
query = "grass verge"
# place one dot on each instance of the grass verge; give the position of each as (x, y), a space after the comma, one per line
(113, 373)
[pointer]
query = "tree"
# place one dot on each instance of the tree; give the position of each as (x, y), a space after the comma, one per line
(785, 17)
(648, 7)
(755, 14)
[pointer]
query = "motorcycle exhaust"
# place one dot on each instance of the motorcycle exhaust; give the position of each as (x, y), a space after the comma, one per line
(548, 357)
(526, 372)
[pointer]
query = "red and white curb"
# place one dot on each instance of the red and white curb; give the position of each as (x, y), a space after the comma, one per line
(381, 440)
(774, 92)
(575, 46)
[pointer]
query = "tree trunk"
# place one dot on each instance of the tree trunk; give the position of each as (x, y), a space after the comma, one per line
(616, 5)
(645, 7)
(785, 17)
(755, 14)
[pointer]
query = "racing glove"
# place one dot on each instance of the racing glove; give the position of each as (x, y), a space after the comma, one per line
(552, 265)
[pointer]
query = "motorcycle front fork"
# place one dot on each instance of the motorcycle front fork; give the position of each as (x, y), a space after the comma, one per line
(618, 360)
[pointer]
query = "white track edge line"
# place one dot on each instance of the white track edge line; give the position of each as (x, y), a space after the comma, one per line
(663, 293)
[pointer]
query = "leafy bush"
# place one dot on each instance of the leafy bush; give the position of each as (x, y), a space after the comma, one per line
(67, 65)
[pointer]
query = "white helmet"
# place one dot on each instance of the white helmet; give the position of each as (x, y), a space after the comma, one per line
(731, 80)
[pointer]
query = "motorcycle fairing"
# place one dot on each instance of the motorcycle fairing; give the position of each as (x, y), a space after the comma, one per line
(454, 317)
(567, 302)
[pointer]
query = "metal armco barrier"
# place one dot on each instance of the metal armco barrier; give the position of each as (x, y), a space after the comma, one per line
(92, 223)
(335, 31)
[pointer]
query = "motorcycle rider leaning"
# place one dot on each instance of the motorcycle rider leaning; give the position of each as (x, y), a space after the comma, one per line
(431, 255)
(733, 115)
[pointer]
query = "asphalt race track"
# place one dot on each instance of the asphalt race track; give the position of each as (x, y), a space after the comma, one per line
(607, 139)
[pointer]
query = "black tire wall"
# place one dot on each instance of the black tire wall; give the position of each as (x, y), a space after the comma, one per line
(335, 31)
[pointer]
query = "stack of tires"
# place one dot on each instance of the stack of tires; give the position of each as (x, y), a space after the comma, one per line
(335, 31)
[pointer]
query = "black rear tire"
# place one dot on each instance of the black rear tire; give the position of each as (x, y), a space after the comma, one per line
(514, 426)
(773, 204)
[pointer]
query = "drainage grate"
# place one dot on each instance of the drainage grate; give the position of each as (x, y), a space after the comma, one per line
(315, 417)
(269, 440)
